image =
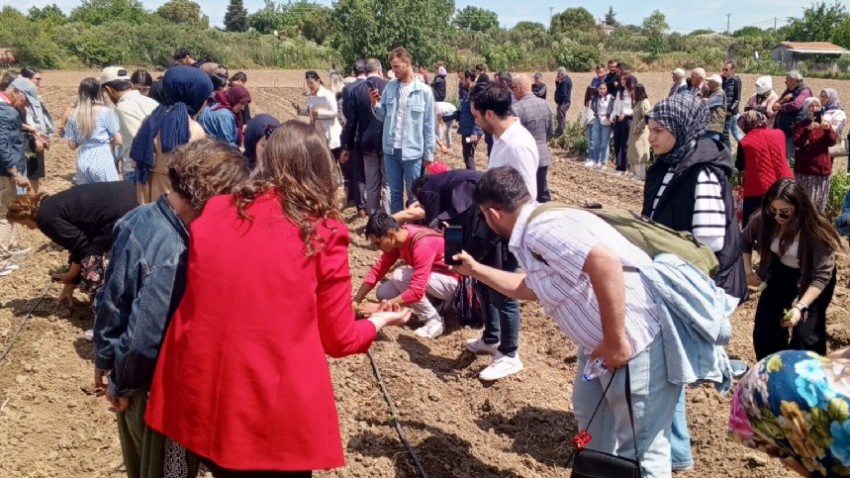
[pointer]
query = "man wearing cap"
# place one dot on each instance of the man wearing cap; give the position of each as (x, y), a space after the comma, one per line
(539, 87)
(563, 93)
(12, 168)
(789, 109)
(716, 102)
(680, 84)
(131, 107)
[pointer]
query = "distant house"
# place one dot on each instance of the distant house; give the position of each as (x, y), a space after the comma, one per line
(791, 53)
(606, 28)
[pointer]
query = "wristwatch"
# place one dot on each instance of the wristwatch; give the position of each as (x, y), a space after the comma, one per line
(801, 306)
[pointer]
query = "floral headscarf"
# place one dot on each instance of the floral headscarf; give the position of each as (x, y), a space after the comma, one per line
(751, 120)
(686, 118)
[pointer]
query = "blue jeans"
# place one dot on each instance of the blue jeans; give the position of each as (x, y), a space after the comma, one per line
(501, 315)
(732, 127)
(601, 139)
(680, 442)
(653, 404)
(400, 177)
(588, 132)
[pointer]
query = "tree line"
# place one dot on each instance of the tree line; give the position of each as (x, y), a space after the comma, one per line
(302, 34)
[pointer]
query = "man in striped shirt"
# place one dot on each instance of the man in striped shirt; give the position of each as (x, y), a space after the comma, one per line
(573, 264)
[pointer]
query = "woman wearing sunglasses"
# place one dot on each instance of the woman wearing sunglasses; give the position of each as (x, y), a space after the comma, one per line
(796, 245)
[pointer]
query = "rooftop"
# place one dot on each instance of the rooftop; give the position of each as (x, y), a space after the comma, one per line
(822, 48)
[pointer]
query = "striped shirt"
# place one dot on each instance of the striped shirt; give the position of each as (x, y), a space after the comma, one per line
(563, 239)
(709, 223)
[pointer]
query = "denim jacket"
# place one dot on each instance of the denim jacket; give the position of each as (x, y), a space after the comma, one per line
(144, 283)
(695, 324)
(418, 129)
(841, 222)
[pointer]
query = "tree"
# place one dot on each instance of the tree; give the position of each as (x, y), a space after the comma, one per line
(236, 17)
(841, 35)
(98, 12)
(421, 26)
(50, 14)
(655, 27)
(573, 19)
(611, 17)
(818, 22)
(476, 19)
(748, 32)
(311, 20)
(185, 12)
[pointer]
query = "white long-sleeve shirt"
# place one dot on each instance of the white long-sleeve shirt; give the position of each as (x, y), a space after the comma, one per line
(517, 148)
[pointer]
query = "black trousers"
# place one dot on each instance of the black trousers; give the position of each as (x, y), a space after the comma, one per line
(468, 153)
(621, 143)
(543, 185)
(219, 472)
(749, 207)
(781, 293)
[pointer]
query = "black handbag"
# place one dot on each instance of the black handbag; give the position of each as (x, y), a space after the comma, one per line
(596, 464)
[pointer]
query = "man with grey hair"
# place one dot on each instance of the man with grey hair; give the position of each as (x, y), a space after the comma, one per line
(361, 137)
(680, 84)
(789, 108)
(698, 86)
(536, 116)
(563, 94)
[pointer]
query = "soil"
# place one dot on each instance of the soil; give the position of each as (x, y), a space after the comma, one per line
(51, 425)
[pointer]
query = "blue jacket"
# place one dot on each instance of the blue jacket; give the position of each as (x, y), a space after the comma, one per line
(11, 140)
(466, 121)
(143, 286)
(844, 217)
(418, 128)
(695, 324)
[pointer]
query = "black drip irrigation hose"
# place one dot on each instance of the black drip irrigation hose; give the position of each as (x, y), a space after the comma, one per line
(396, 419)
(25, 320)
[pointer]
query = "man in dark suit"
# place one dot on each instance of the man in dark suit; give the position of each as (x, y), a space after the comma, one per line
(361, 137)
(352, 163)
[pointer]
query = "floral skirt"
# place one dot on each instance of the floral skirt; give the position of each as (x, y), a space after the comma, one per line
(795, 405)
(818, 189)
(92, 273)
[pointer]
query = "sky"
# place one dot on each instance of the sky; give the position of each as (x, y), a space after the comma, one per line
(681, 16)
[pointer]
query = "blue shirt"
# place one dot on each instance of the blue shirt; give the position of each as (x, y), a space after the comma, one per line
(418, 135)
(143, 286)
(219, 124)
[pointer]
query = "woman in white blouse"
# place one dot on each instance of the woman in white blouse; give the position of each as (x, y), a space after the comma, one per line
(322, 110)
(602, 106)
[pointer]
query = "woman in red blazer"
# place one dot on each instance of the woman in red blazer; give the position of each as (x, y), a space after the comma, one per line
(242, 379)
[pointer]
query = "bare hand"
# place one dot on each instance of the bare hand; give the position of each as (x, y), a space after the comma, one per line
(343, 157)
(474, 138)
(366, 309)
(66, 297)
(615, 352)
(100, 387)
(22, 181)
(64, 278)
(753, 280)
(777, 106)
(118, 405)
(375, 95)
(467, 267)
(399, 317)
(792, 318)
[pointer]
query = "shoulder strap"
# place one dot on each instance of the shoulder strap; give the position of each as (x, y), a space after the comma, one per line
(628, 387)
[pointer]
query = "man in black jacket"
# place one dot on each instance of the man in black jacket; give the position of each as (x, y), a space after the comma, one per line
(563, 95)
(438, 86)
(363, 132)
(12, 172)
(352, 165)
(539, 86)
(732, 88)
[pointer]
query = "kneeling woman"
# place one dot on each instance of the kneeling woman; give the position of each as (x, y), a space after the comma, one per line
(79, 219)
(797, 247)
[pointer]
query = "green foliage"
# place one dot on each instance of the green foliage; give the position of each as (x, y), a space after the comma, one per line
(99, 12)
(573, 141)
(50, 14)
(818, 22)
(704, 31)
(302, 17)
(841, 34)
(573, 19)
(236, 17)
(184, 12)
(655, 26)
(29, 42)
(839, 185)
(749, 32)
(421, 26)
(476, 19)
(577, 56)
(611, 17)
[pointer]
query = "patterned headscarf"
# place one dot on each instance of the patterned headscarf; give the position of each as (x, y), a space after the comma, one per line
(686, 118)
(751, 120)
(832, 102)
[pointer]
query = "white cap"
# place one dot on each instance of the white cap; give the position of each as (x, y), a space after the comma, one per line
(113, 73)
(715, 78)
(679, 73)
(764, 84)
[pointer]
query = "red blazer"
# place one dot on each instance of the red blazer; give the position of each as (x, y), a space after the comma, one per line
(242, 377)
(764, 160)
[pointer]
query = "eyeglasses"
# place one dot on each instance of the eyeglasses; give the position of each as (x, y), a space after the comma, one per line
(268, 131)
(784, 214)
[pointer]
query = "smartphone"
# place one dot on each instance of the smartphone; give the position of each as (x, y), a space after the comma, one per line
(818, 117)
(370, 84)
(453, 236)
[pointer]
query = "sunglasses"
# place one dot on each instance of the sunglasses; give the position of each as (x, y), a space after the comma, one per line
(780, 214)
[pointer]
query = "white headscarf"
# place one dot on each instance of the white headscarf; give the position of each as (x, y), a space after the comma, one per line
(764, 84)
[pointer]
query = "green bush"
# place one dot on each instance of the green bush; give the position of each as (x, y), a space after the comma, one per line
(839, 185)
(577, 57)
(573, 141)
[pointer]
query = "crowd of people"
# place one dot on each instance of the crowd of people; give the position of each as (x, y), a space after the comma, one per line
(173, 175)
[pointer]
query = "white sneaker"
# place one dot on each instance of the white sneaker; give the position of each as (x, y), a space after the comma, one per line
(431, 330)
(589, 163)
(8, 269)
(19, 251)
(501, 367)
(619, 173)
(478, 346)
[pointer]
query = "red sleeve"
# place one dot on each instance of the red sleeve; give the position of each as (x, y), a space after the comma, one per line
(801, 133)
(425, 252)
(380, 269)
(341, 334)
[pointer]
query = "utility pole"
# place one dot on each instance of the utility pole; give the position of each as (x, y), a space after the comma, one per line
(774, 23)
(728, 17)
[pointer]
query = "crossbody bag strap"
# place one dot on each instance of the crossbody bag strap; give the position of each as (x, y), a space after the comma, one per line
(628, 387)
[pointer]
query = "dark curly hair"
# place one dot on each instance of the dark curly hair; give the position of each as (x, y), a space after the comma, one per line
(205, 168)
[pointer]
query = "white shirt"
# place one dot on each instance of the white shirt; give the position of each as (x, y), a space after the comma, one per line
(398, 130)
(132, 109)
(517, 148)
(444, 108)
(790, 258)
(564, 238)
(837, 119)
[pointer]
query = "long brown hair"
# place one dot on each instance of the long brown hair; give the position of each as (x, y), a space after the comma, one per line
(298, 165)
(25, 207)
(807, 220)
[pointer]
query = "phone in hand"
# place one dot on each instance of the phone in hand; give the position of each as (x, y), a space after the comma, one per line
(370, 83)
(453, 236)
(818, 118)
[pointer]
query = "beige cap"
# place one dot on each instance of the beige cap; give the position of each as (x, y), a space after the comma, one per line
(113, 73)
(715, 78)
